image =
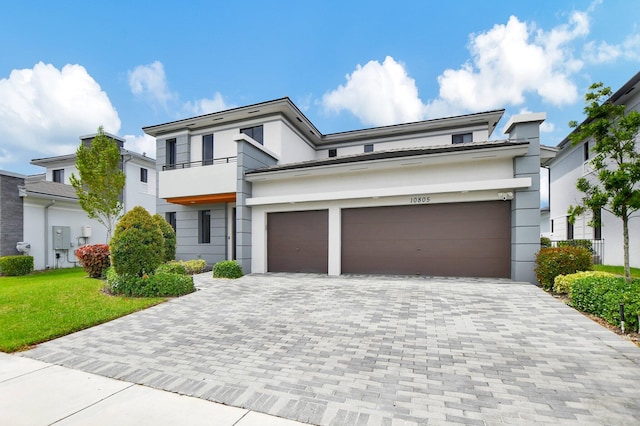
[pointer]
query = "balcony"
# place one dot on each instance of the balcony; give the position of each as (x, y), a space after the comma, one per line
(199, 182)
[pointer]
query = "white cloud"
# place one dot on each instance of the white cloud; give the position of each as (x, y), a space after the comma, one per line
(206, 106)
(150, 82)
(378, 94)
(44, 110)
(603, 52)
(143, 144)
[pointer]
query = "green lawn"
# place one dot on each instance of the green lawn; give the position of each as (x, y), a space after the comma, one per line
(618, 270)
(44, 305)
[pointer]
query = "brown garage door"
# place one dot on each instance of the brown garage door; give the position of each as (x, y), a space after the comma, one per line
(298, 241)
(462, 239)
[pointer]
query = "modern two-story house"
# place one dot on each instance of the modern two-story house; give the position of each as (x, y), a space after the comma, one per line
(262, 185)
(41, 216)
(573, 162)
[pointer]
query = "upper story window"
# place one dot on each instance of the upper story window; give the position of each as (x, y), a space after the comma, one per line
(207, 150)
(255, 133)
(333, 153)
(368, 147)
(58, 175)
(171, 157)
(462, 138)
(144, 175)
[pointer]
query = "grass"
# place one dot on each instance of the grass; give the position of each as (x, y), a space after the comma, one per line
(618, 270)
(45, 305)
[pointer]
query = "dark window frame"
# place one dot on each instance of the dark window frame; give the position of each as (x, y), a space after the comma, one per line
(171, 219)
(597, 229)
(585, 151)
(570, 230)
(204, 226)
(255, 132)
(171, 157)
(368, 147)
(333, 153)
(144, 175)
(462, 138)
(207, 149)
(58, 175)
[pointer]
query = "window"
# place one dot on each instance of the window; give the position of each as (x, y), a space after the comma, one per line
(204, 226)
(585, 151)
(255, 133)
(368, 147)
(207, 150)
(462, 138)
(171, 154)
(171, 218)
(552, 225)
(597, 225)
(58, 175)
(569, 230)
(144, 175)
(333, 152)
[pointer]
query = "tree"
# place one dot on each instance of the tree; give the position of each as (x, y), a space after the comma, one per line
(169, 237)
(616, 163)
(101, 180)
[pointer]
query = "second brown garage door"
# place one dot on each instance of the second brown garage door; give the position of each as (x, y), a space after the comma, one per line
(298, 241)
(462, 239)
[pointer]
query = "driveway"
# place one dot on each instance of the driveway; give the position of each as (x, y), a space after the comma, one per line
(371, 351)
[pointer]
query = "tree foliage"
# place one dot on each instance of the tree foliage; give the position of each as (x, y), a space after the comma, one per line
(100, 181)
(169, 237)
(616, 161)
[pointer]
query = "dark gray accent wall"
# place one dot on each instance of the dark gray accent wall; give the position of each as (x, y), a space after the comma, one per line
(11, 215)
(249, 158)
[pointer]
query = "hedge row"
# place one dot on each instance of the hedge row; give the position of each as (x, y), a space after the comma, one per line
(554, 261)
(16, 265)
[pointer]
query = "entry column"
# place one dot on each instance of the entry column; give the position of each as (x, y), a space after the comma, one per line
(335, 241)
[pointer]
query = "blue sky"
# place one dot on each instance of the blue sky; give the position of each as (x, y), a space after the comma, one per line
(67, 67)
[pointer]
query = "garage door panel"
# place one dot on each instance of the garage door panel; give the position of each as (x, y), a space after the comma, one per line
(298, 241)
(463, 239)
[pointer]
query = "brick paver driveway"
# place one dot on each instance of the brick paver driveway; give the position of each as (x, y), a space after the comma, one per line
(371, 350)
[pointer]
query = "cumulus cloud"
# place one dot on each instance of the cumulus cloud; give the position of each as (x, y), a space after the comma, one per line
(43, 111)
(603, 52)
(206, 106)
(378, 94)
(150, 83)
(143, 144)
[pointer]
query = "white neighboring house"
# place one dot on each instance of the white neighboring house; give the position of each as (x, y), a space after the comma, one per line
(572, 163)
(52, 223)
(260, 184)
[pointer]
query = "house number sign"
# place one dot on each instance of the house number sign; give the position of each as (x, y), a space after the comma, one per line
(420, 199)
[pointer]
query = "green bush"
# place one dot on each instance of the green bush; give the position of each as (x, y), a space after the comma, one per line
(172, 268)
(161, 284)
(602, 296)
(554, 261)
(137, 246)
(227, 269)
(12, 266)
(94, 259)
(545, 242)
(562, 283)
(195, 266)
(169, 237)
(585, 244)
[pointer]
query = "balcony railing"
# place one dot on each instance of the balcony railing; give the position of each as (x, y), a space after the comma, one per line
(596, 247)
(199, 163)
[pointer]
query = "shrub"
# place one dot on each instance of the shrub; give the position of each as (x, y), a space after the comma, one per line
(227, 269)
(545, 242)
(554, 261)
(161, 284)
(585, 244)
(602, 296)
(94, 258)
(16, 265)
(562, 283)
(172, 268)
(137, 246)
(195, 266)
(169, 237)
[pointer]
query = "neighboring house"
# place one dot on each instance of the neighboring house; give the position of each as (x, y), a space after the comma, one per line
(42, 211)
(572, 163)
(262, 185)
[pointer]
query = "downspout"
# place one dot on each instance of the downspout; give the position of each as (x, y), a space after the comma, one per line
(46, 233)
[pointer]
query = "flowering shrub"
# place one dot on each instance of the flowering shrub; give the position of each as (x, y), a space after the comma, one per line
(554, 261)
(562, 283)
(94, 258)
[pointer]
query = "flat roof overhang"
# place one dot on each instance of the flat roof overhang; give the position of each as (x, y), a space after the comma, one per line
(229, 197)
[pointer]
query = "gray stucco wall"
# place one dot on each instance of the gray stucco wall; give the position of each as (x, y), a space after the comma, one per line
(11, 215)
(249, 158)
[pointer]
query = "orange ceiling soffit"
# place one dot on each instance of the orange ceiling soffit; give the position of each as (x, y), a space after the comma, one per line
(229, 197)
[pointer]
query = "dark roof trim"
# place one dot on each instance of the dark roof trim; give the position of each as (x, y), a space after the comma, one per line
(385, 155)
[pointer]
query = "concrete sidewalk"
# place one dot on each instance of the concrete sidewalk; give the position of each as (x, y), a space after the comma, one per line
(37, 393)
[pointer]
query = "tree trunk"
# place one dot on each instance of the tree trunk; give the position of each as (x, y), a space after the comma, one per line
(625, 237)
